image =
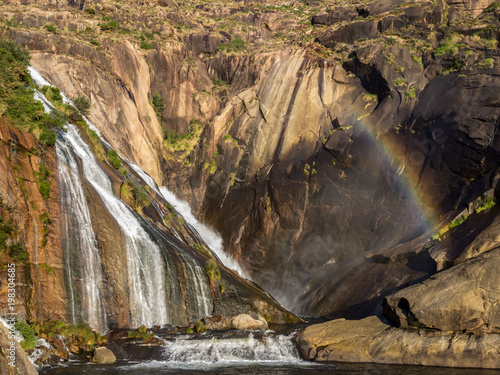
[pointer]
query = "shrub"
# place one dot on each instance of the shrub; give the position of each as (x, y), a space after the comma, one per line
(213, 271)
(114, 159)
(95, 42)
(28, 333)
(19, 54)
(111, 25)
(235, 45)
(19, 253)
(90, 11)
(486, 204)
(158, 105)
(486, 63)
(399, 82)
(145, 45)
(51, 28)
(42, 179)
(410, 93)
(82, 104)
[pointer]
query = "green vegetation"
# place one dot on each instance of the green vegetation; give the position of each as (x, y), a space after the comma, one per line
(308, 171)
(202, 249)
(189, 331)
(228, 137)
(399, 82)
(449, 45)
(78, 334)
(28, 333)
(45, 220)
(486, 64)
(51, 28)
(200, 326)
(7, 229)
(95, 42)
(418, 60)
(46, 268)
(141, 334)
(235, 45)
(114, 159)
(43, 180)
(457, 222)
(82, 104)
(187, 141)
(370, 97)
(132, 190)
(486, 204)
(410, 93)
(109, 26)
(158, 105)
(213, 271)
(95, 140)
(492, 7)
(19, 253)
(16, 98)
(90, 11)
(145, 45)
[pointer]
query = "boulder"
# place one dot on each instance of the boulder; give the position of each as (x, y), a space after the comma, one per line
(103, 355)
(461, 298)
(337, 15)
(349, 34)
(247, 322)
(373, 340)
(390, 23)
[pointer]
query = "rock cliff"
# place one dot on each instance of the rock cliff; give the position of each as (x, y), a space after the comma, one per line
(344, 152)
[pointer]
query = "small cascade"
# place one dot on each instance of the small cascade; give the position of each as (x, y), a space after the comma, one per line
(80, 242)
(268, 348)
(213, 240)
(199, 289)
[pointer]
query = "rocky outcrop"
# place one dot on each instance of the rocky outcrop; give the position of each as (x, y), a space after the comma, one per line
(13, 359)
(104, 356)
(463, 298)
(373, 340)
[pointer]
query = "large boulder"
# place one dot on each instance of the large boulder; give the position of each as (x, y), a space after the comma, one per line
(372, 340)
(349, 34)
(461, 298)
(247, 322)
(103, 355)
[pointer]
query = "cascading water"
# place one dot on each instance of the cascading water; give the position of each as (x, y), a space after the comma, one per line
(78, 234)
(268, 348)
(212, 239)
(144, 261)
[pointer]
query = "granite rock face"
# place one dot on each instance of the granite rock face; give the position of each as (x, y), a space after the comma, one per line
(372, 340)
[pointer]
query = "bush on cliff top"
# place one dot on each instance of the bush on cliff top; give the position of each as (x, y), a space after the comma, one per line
(16, 98)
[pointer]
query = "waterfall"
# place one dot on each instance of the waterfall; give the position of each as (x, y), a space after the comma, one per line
(78, 233)
(213, 240)
(210, 237)
(268, 348)
(144, 261)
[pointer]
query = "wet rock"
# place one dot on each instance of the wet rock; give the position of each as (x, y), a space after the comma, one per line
(61, 354)
(247, 322)
(103, 355)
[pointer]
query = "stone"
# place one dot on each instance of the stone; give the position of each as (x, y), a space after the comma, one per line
(23, 366)
(390, 23)
(461, 298)
(61, 353)
(349, 33)
(374, 340)
(104, 356)
(247, 322)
